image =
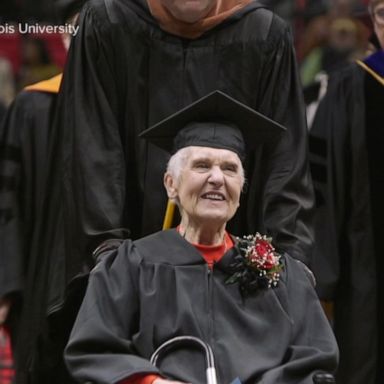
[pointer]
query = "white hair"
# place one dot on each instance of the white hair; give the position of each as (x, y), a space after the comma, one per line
(178, 161)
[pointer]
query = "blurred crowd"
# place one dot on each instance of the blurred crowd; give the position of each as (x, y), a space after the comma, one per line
(27, 59)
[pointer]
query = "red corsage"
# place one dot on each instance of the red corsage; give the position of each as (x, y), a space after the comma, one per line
(257, 266)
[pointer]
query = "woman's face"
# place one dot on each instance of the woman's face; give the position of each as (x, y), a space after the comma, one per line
(209, 186)
(378, 21)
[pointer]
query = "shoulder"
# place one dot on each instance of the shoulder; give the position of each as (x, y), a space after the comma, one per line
(119, 258)
(266, 24)
(117, 250)
(95, 13)
(296, 272)
(259, 27)
(159, 246)
(29, 99)
(345, 88)
(348, 76)
(117, 12)
(27, 107)
(157, 236)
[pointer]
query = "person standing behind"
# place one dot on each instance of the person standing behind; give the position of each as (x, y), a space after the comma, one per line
(24, 142)
(346, 145)
(132, 64)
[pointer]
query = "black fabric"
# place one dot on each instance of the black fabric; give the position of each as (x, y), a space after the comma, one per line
(141, 295)
(125, 74)
(374, 121)
(23, 143)
(349, 229)
(65, 9)
(211, 134)
(24, 271)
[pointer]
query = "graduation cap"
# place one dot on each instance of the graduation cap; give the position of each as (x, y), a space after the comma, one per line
(65, 9)
(217, 121)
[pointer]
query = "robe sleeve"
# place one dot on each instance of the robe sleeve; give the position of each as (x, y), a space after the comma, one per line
(288, 195)
(100, 346)
(330, 170)
(91, 156)
(313, 347)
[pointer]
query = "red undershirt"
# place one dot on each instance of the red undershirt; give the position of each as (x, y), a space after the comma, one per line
(211, 254)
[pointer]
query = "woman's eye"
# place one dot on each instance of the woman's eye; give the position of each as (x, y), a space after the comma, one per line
(202, 165)
(230, 168)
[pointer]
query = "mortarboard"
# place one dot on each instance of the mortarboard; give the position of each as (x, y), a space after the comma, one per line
(216, 120)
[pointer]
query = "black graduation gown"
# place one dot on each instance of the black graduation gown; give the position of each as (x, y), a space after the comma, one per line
(123, 75)
(159, 287)
(24, 141)
(346, 144)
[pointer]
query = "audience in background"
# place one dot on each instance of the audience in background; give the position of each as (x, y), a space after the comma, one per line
(37, 65)
(7, 83)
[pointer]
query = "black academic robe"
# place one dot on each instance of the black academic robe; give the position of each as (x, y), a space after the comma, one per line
(346, 149)
(159, 287)
(24, 142)
(123, 75)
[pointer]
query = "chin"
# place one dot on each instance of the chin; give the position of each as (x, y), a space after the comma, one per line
(190, 17)
(192, 11)
(214, 217)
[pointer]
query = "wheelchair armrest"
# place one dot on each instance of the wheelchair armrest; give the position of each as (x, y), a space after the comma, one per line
(323, 378)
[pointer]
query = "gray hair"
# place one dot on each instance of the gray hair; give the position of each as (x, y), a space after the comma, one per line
(178, 161)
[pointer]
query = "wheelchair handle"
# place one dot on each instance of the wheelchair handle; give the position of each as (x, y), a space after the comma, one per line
(189, 340)
(318, 378)
(323, 378)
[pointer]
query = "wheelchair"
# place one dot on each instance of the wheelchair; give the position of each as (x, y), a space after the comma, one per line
(187, 341)
(318, 378)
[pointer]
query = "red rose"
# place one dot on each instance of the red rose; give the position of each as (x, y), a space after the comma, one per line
(258, 266)
(263, 254)
(263, 247)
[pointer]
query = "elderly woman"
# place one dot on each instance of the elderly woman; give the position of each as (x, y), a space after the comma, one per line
(256, 309)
